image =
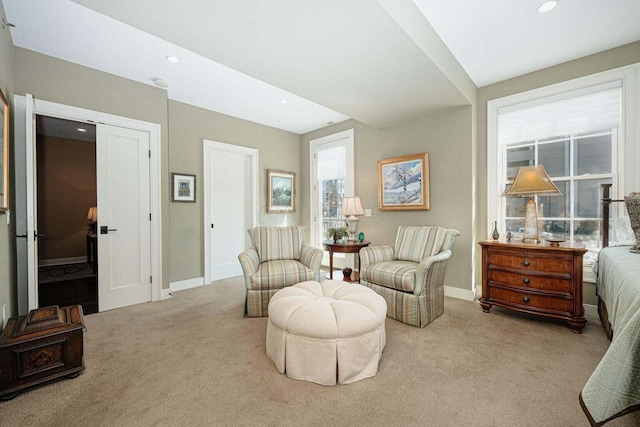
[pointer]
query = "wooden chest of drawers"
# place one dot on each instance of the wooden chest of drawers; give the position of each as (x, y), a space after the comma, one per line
(535, 279)
(43, 345)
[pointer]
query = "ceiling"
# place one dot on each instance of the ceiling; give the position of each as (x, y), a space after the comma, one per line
(380, 62)
(66, 129)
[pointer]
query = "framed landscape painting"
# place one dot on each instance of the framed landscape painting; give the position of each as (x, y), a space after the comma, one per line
(403, 183)
(281, 191)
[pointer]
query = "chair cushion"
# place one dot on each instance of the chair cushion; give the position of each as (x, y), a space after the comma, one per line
(280, 273)
(273, 243)
(399, 275)
(416, 243)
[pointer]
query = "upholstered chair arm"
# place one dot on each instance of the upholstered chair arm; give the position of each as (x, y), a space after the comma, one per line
(249, 260)
(311, 257)
(373, 254)
(430, 271)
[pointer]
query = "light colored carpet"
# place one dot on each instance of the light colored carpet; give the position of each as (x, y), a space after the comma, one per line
(193, 360)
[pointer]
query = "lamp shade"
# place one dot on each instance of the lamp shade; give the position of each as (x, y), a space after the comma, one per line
(93, 213)
(352, 206)
(532, 180)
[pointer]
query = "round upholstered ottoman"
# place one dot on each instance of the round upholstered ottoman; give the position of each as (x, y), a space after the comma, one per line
(323, 332)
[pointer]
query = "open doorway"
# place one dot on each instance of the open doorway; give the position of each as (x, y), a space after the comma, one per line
(67, 213)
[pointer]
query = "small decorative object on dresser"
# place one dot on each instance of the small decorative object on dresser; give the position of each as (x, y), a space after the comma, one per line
(495, 235)
(534, 278)
(43, 345)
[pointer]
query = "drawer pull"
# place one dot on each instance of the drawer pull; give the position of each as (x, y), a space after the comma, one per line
(525, 299)
(526, 280)
(526, 263)
(42, 359)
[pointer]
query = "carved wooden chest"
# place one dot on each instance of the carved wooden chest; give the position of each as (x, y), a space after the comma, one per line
(45, 344)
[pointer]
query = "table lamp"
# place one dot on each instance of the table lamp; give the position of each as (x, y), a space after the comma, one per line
(92, 215)
(529, 181)
(352, 206)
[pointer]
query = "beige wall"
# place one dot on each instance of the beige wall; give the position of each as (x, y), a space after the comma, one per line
(183, 129)
(54, 80)
(8, 293)
(448, 139)
(66, 191)
(610, 59)
(189, 125)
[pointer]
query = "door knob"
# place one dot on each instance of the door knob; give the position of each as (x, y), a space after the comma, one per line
(105, 229)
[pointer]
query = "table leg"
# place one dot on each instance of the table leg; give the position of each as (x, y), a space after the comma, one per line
(331, 265)
(88, 249)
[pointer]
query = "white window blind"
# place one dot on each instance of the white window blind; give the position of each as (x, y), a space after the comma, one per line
(586, 110)
(331, 163)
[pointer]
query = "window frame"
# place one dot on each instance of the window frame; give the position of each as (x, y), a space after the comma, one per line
(346, 139)
(627, 153)
(571, 178)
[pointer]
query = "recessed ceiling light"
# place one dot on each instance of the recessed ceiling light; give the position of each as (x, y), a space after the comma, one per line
(284, 101)
(172, 59)
(547, 6)
(81, 130)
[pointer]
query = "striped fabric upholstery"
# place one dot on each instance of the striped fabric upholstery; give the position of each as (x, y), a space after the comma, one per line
(265, 273)
(274, 243)
(413, 290)
(280, 273)
(417, 243)
(400, 275)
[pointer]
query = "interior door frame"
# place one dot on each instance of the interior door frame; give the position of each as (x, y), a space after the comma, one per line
(52, 109)
(208, 145)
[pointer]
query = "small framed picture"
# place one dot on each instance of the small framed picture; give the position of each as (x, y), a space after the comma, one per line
(281, 191)
(183, 187)
(403, 183)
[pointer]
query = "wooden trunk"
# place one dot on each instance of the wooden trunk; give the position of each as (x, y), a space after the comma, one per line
(45, 344)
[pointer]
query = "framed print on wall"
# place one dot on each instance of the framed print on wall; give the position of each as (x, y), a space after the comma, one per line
(4, 154)
(403, 183)
(281, 191)
(183, 187)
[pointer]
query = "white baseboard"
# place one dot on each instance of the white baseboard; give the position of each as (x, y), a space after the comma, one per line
(62, 261)
(186, 284)
(165, 294)
(464, 294)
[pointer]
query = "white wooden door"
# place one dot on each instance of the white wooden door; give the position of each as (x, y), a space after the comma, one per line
(230, 206)
(32, 207)
(124, 223)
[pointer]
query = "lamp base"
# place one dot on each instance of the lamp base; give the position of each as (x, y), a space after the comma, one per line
(352, 223)
(530, 231)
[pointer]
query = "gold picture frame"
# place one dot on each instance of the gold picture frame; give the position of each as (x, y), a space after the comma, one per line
(4, 155)
(281, 191)
(403, 183)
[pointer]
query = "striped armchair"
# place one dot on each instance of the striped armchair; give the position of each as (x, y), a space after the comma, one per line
(410, 273)
(277, 259)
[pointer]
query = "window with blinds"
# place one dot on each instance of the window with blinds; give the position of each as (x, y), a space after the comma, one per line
(575, 136)
(332, 178)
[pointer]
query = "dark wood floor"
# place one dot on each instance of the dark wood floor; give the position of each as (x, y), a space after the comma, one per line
(70, 292)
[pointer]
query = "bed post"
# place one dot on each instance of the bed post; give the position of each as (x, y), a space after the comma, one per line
(606, 201)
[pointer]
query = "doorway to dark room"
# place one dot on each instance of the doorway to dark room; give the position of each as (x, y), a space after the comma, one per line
(67, 213)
